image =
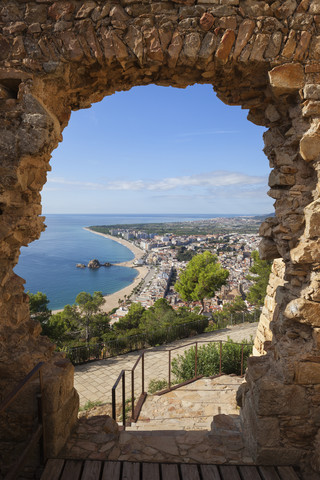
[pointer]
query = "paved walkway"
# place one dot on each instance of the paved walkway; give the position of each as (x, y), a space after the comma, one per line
(95, 380)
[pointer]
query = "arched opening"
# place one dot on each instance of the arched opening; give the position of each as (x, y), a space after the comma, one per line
(193, 164)
(174, 158)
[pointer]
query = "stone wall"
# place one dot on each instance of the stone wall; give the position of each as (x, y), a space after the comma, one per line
(263, 55)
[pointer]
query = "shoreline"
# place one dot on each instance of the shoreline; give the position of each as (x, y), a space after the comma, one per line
(137, 252)
(112, 298)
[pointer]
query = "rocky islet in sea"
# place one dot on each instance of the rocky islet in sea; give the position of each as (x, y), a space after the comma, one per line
(94, 264)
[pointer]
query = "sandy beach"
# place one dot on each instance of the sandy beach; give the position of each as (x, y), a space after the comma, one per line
(112, 299)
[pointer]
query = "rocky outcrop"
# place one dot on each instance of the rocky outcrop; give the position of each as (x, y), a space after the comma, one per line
(94, 264)
(265, 56)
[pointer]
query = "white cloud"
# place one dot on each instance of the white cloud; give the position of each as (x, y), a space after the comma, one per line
(64, 181)
(205, 180)
(210, 180)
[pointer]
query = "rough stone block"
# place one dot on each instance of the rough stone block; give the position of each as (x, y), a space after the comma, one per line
(312, 219)
(315, 47)
(268, 250)
(304, 311)
(268, 432)
(310, 143)
(278, 179)
(286, 78)
(278, 455)
(245, 31)
(274, 398)
(312, 92)
(58, 385)
(311, 109)
(226, 45)
(206, 21)
(258, 367)
(307, 373)
(307, 252)
(59, 424)
(314, 7)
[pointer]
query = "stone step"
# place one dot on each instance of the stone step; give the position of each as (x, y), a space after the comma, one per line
(191, 407)
(173, 424)
(153, 426)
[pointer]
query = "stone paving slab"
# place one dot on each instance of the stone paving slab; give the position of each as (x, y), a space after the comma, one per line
(94, 380)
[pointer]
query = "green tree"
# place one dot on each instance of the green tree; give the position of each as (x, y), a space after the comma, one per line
(132, 319)
(260, 271)
(160, 315)
(88, 307)
(38, 302)
(201, 279)
(63, 327)
(238, 305)
(38, 305)
(184, 254)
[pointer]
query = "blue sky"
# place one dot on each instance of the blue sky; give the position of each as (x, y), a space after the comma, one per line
(159, 150)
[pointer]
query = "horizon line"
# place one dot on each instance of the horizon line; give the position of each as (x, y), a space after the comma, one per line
(163, 213)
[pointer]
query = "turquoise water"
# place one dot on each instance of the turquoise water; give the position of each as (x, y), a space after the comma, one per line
(49, 264)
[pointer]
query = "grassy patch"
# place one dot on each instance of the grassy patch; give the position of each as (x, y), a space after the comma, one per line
(157, 385)
(90, 404)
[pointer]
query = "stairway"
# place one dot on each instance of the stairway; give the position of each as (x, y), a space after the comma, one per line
(191, 407)
(175, 429)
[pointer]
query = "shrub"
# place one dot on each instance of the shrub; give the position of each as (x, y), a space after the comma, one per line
(183, 367)
(231, 357)
(212, 327)
(208, 360)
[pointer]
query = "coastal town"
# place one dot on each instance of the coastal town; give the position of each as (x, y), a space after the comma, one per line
(161, 257)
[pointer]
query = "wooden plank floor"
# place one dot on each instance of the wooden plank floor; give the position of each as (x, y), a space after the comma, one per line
(58, 469)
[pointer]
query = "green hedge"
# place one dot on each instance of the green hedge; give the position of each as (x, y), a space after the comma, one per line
(208, 360)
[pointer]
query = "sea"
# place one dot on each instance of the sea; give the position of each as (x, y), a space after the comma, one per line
(48, 265)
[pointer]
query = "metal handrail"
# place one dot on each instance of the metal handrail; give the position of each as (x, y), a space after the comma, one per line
(38, 434)
(196, 360)
(135, 414)
(136, 408)
(12, 395)
(114, 414)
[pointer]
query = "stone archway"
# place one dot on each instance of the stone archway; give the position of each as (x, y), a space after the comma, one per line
(263, 55)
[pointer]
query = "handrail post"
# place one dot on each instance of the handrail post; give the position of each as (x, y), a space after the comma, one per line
(40, 421)
(124, 400)
(142, 373)
(169, 382)
(242, 360)
(132, 394)
(196, 360)
(114, 403)
(220, 367)
(43, 447)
